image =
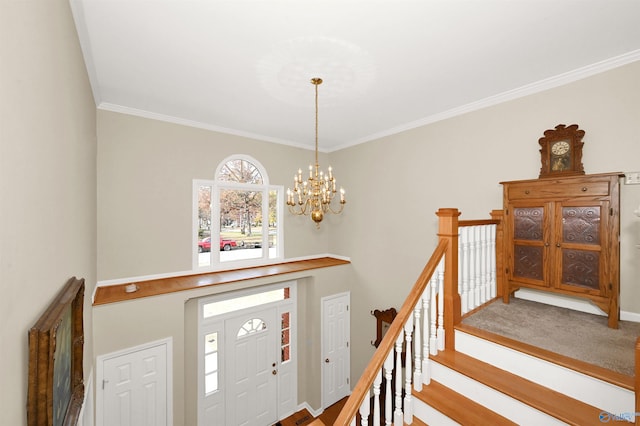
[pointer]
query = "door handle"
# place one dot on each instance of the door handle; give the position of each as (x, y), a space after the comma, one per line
(326, 360)
(274, 372)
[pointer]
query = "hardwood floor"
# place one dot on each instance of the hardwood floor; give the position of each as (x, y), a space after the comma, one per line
(327, 418)
(304, 418)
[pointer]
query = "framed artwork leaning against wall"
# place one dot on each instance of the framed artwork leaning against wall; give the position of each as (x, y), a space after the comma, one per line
(56, 388)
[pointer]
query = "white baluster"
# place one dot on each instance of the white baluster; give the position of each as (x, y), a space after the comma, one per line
(483, 263)
(388, 395)
(408, 399)
(488, 262)
(478, 277)
(365, 409)
(397, 413)
(472, 268)
(440, 332)
(426, 367)
(463, 263)
(492, 260)
(376, 397)
(417, 372)
(433, 310)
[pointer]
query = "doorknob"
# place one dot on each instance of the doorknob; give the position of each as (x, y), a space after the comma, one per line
(274, 372)
(326, 360)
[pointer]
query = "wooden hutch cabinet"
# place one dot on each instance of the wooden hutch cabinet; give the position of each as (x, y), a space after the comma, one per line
(562, 236)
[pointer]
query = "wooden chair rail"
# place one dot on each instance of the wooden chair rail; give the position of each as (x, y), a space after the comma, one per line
(118, 293)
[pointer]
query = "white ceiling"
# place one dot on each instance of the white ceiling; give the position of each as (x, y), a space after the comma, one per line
(243, 66)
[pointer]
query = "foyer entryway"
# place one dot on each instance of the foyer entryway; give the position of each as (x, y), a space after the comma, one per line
(247, 368)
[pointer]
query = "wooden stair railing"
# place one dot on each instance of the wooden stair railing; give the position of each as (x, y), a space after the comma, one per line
(437, 288)
(360, 394)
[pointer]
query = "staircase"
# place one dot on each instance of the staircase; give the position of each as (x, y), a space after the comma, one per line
(487, 383)
(431, 369)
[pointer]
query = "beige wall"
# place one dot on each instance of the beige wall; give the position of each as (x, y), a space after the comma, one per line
(47, 181)
(459, 163)
(394, 185)
(145, 174)
(48, 196)
(123, 325)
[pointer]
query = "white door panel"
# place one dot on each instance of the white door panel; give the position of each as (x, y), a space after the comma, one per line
(135, 388)
(251, 351)
(335, 348)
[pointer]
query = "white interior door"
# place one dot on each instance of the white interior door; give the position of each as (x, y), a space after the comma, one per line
(251, 365)
(134, 388)
(336, 358)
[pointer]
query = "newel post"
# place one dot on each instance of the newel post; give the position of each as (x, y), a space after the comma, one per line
(498, 215)
(448, 230)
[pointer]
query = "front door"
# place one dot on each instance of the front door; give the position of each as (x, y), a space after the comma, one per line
(335, 348)
(251, 366)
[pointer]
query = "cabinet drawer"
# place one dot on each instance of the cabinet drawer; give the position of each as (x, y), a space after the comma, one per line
(537, 190)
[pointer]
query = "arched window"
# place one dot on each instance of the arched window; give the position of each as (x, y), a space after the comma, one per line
(241, 211)
(253, 325)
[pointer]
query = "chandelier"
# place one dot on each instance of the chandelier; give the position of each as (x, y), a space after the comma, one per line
(314, 196)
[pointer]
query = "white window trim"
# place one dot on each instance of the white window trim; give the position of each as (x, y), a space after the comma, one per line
(215, 264)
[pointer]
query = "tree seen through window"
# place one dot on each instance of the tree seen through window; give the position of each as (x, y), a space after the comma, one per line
(233, 209)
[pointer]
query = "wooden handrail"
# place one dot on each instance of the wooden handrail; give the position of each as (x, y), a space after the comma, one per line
(447, 247)
(362, 387)
(446, 252)
(477, 222)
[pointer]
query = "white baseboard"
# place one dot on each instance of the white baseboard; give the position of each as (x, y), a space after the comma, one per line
(629, 316)
(305, 405)
(559, 300)
(575, 303)
(86, 412)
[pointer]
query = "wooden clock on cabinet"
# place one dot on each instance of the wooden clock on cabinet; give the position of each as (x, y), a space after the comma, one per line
(561, 151)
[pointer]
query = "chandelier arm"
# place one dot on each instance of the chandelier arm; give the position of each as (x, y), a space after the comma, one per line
(335, 211)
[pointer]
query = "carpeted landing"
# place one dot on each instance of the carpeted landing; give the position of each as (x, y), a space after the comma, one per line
(575, 334)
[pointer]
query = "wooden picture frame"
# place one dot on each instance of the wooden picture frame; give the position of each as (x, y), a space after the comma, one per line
(383, 322)
(56, 384)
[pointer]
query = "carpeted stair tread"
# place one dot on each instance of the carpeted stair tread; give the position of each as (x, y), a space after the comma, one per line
(458, 407)
(553, 403)
(618, 379)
